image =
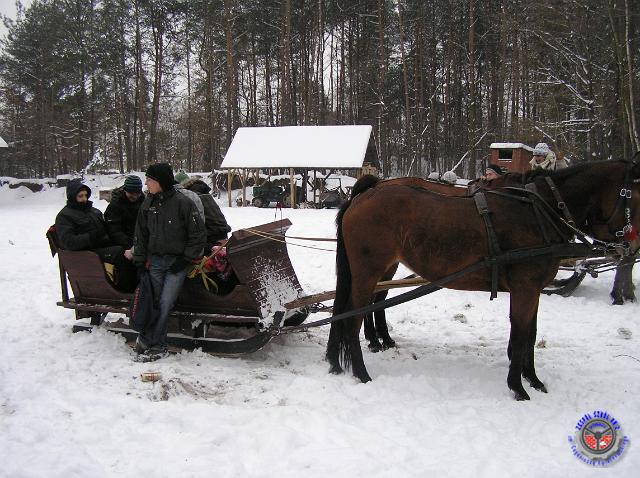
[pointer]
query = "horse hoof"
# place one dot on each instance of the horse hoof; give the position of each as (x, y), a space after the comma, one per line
(388, 345)
(521, 395)
(537, 384)
(375, 348)
(363, 377)
(336, 370)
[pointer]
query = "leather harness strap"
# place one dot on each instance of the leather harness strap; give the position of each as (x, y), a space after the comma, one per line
(560, 203)
(492, 239)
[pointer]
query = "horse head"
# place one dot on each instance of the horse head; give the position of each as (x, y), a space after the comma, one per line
(618, 213)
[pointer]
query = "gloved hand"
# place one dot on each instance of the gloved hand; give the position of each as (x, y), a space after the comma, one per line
(179, 265)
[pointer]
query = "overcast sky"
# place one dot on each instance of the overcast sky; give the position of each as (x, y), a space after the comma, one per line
(8, 8)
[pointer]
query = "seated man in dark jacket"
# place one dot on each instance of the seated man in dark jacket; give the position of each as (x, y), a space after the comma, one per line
(81, 227)
(122, 212)
(214, 221)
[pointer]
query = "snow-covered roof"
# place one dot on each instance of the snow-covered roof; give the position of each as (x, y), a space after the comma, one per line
(510, 146)
(3, 143)
(298, 147)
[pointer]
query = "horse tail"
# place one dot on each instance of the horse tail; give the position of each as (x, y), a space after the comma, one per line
(339, 345)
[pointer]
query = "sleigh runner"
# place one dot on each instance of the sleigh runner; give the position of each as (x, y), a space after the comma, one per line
(239, 320)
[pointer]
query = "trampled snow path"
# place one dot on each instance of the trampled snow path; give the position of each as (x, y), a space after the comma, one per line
(73, 405)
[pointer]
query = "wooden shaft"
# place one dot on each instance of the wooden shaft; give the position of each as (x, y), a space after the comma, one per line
(331, 294)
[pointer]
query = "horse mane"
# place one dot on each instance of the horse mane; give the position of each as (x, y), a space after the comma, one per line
(363, 184)
(531, 175)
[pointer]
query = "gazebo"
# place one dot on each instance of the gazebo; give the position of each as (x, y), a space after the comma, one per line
(294, 148)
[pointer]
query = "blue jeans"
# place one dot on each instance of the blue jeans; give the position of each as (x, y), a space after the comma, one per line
(166, 286)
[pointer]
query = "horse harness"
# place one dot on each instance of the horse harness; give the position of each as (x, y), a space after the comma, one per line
(547, 215)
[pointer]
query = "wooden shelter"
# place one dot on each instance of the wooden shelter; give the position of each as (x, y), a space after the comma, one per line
(513, 157)
(292, 148)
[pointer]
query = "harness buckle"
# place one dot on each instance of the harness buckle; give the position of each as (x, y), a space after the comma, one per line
(625, 193)
(561, 205)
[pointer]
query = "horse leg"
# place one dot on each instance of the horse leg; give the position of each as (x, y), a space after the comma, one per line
(361, 294)
(381, 326)
(523, 307)
(333, 347)
(357, 361)
(529, 369)
(370, 333)
(509, 348)
(623, 288)
(375, 324)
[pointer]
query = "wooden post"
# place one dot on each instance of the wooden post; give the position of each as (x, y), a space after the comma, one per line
(245, 175)
(315, 187)
(292, 189)
(229, 181)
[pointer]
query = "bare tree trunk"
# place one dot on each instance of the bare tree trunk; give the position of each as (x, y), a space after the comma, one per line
(230, 72)
(405, 83)
(189, 112)
(635, 140)
(158, 44)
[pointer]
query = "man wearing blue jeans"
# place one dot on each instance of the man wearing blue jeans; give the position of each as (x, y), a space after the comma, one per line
(169, 235)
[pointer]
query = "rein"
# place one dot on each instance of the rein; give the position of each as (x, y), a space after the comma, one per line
(509, 257)
(282, 238)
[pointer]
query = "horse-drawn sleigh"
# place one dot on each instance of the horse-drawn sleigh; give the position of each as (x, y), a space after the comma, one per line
(510, 239)
(240, 320)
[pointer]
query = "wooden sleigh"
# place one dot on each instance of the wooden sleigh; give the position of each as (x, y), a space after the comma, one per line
(240, 321)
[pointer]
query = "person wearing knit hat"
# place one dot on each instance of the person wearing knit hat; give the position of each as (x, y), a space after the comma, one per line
(181, 176)
(122, 212)
(132, 184)
(544, 158)
(492, 172)
(169, 235)
(162, 175)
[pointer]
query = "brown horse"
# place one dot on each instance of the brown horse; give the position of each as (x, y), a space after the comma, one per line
(435, 235)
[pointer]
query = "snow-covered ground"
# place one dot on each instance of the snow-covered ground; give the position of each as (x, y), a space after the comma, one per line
(73, 405)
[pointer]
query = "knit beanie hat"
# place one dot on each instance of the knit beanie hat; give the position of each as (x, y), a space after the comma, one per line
(181, 176)
(496, 169)
(541, 149)
(132, 184)
(162, 173)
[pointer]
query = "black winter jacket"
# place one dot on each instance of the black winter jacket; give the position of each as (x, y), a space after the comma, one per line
(168, 223)
(215, 222)
(80, 226)
(120, 216)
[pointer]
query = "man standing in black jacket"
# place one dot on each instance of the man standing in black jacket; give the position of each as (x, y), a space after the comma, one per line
(169, 235)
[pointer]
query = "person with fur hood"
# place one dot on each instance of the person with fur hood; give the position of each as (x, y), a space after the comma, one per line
(81, 227)
(544, 158)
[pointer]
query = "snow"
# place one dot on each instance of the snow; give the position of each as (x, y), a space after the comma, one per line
(73, 405)
(298, 147)
(510, 146)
